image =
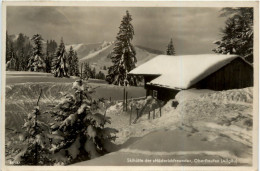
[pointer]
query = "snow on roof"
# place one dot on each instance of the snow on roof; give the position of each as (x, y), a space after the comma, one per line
(181, 72)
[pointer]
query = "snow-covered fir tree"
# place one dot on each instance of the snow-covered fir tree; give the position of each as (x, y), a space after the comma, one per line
(52, 46)
(35, 136)
(93, 73)
(80, 126)
(170, 49)
(123, 55)
(75, 64)
(48, 61)
(238, 33)
(70, 61)
(28, 52)
(23, 62)
(11, 56)
(86, 71)
(36, 62)
(59, 63)
(19, 46)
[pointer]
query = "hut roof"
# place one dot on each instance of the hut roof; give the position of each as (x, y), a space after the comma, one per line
(181, 72)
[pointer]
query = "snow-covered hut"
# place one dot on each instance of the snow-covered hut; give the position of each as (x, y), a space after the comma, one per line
(165, 75)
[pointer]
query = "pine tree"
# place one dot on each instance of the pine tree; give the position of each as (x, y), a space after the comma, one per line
(123, 55)
(48, 61)
(87, 71)
(170, 49)
(11, 63)
(36, 62)
(75, 64)
(20, 51)
(53, 46)
(93, 73)
(20, 41)
(35, 136)
(37, 50)
(59, 65)
(28, 50)
(100, 76)
(80, 126)
(238, 33)
(70, 61)
(7, 48)
(24, 61)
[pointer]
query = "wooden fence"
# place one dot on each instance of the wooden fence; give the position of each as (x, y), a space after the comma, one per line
(135, 110)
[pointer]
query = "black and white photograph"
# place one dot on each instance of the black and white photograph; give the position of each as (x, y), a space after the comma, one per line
(130, 85)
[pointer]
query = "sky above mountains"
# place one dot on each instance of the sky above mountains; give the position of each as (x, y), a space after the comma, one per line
(192, 29)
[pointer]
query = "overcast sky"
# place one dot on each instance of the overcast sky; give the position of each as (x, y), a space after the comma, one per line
(193, 29)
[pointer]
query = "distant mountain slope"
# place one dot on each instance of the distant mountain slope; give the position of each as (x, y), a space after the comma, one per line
(143, 55)
(95, 52)
(99, 58)
(83, 49)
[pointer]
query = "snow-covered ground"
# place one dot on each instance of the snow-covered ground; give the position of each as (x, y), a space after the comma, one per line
(205, 124)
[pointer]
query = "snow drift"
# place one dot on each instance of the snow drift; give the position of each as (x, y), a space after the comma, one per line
(216, 118)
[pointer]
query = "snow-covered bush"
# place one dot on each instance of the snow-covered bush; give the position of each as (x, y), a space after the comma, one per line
(76, 132)
(36, 142)
(79, 128)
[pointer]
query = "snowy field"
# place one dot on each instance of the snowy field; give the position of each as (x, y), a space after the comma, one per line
(15, 77)
(216, 126)
(23, 89)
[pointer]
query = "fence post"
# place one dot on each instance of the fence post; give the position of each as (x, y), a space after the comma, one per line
(136, 112)
(153, 113)
(160, 111)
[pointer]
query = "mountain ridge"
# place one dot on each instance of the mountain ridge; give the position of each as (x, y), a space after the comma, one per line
(96, 54)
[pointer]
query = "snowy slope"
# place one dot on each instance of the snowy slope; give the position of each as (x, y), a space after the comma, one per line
(75, 47)
(95, 53)
(100, 58)
(83, 49)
